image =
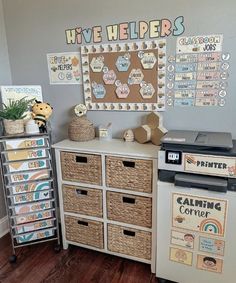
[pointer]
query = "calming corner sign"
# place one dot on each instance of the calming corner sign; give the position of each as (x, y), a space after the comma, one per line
(126, 31)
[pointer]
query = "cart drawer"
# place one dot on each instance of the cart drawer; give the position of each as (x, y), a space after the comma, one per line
(127, 173)
(84, 231)
(83, 168)
(129, 241)
(82, 200)
(27, 165)
(30, 197)
(29, 187)
(129, 209)
(19, 229)
(32, 236)
(33, 217)
(25, 154)
(14, 178)
(25, 143)
(31, 207)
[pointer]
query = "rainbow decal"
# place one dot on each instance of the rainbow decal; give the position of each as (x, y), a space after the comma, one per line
(212, 226)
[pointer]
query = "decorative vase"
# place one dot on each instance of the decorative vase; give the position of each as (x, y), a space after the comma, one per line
(13, 127)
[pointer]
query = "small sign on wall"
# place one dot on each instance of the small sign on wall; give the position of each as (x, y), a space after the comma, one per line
(64, 68)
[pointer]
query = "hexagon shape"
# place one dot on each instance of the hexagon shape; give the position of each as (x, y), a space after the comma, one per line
(109, 77)
(122, 64)
(135, 76)
(122, 91)
(149, 60)
(99, 91)
(147, 91)
(97, 64)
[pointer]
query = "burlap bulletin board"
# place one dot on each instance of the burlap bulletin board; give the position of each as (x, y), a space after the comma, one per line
(124, 76)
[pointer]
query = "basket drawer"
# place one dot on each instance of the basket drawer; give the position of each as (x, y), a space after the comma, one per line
(128, 241)
(84, 168)
(131, 174)
(84, 231)
(82, 200)
(129, 209)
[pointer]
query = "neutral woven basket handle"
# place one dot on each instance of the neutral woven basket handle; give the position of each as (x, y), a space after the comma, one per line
(129, 233)
(82, 223)
(129, 200)
(81, 192)
(129, 164)
(81, 159)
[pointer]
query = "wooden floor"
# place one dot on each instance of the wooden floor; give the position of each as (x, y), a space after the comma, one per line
(40, 263)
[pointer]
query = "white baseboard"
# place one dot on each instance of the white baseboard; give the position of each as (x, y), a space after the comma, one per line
(4, 229)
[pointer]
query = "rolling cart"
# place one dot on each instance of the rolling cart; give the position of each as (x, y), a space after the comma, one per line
(29, 189)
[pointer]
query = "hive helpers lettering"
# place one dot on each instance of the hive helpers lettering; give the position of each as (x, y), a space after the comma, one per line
(127, 30)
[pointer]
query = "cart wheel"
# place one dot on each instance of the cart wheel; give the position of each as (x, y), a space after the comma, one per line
(57, 248)
(12, 258)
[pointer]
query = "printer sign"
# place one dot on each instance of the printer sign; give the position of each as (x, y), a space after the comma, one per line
(210, 165)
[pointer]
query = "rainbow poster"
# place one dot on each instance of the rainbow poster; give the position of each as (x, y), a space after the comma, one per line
(201, 214)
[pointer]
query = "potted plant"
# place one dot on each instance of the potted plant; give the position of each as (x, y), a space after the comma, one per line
(13, 115)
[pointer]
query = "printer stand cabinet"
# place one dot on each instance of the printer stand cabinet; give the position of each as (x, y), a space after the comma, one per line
(107, 196)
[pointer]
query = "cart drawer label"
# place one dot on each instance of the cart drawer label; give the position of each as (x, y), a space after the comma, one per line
(201, 214)
(210, 165)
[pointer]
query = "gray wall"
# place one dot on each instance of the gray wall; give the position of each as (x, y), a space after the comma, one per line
(5, 78)
(35, 28)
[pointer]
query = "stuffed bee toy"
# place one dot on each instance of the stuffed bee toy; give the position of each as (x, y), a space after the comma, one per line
(41, 112)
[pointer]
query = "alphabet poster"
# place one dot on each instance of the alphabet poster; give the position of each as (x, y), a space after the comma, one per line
(64, 68)
(201, 214)
(125, 76)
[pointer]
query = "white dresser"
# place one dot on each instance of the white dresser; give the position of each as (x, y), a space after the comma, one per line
(107, 194)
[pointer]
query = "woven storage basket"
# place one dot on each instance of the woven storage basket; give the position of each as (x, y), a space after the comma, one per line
(129, 209)
(128, 241)
(81, 129)
(13, 127)
(84, 231)
(84, 168)
(82, 200)
(132, 174)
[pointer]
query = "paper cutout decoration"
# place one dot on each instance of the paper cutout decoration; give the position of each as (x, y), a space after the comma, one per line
(209, 263)
(122, 74)
(148, 60)
(97, 64)
(99, 90)
(184, 239)
(206, 215)
(123, 63)
(64, 68)
(181, 256)
(211, 245)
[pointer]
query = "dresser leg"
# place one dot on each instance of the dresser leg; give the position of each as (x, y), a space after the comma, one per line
(65, 245)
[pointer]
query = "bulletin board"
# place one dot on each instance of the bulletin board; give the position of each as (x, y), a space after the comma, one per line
(124, 76)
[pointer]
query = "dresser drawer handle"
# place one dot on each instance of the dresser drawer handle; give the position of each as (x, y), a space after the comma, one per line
(81, 192)
(129, 233)
(128, 200)
(81, 159)
(82, 223)
(129, 164)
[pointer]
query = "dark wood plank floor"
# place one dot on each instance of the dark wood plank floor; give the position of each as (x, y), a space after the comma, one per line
(40, 263)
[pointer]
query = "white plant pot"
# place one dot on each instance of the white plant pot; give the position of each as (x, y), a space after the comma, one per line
(13, 127)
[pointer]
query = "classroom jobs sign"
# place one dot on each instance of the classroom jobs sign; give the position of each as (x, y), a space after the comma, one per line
(207, 215)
